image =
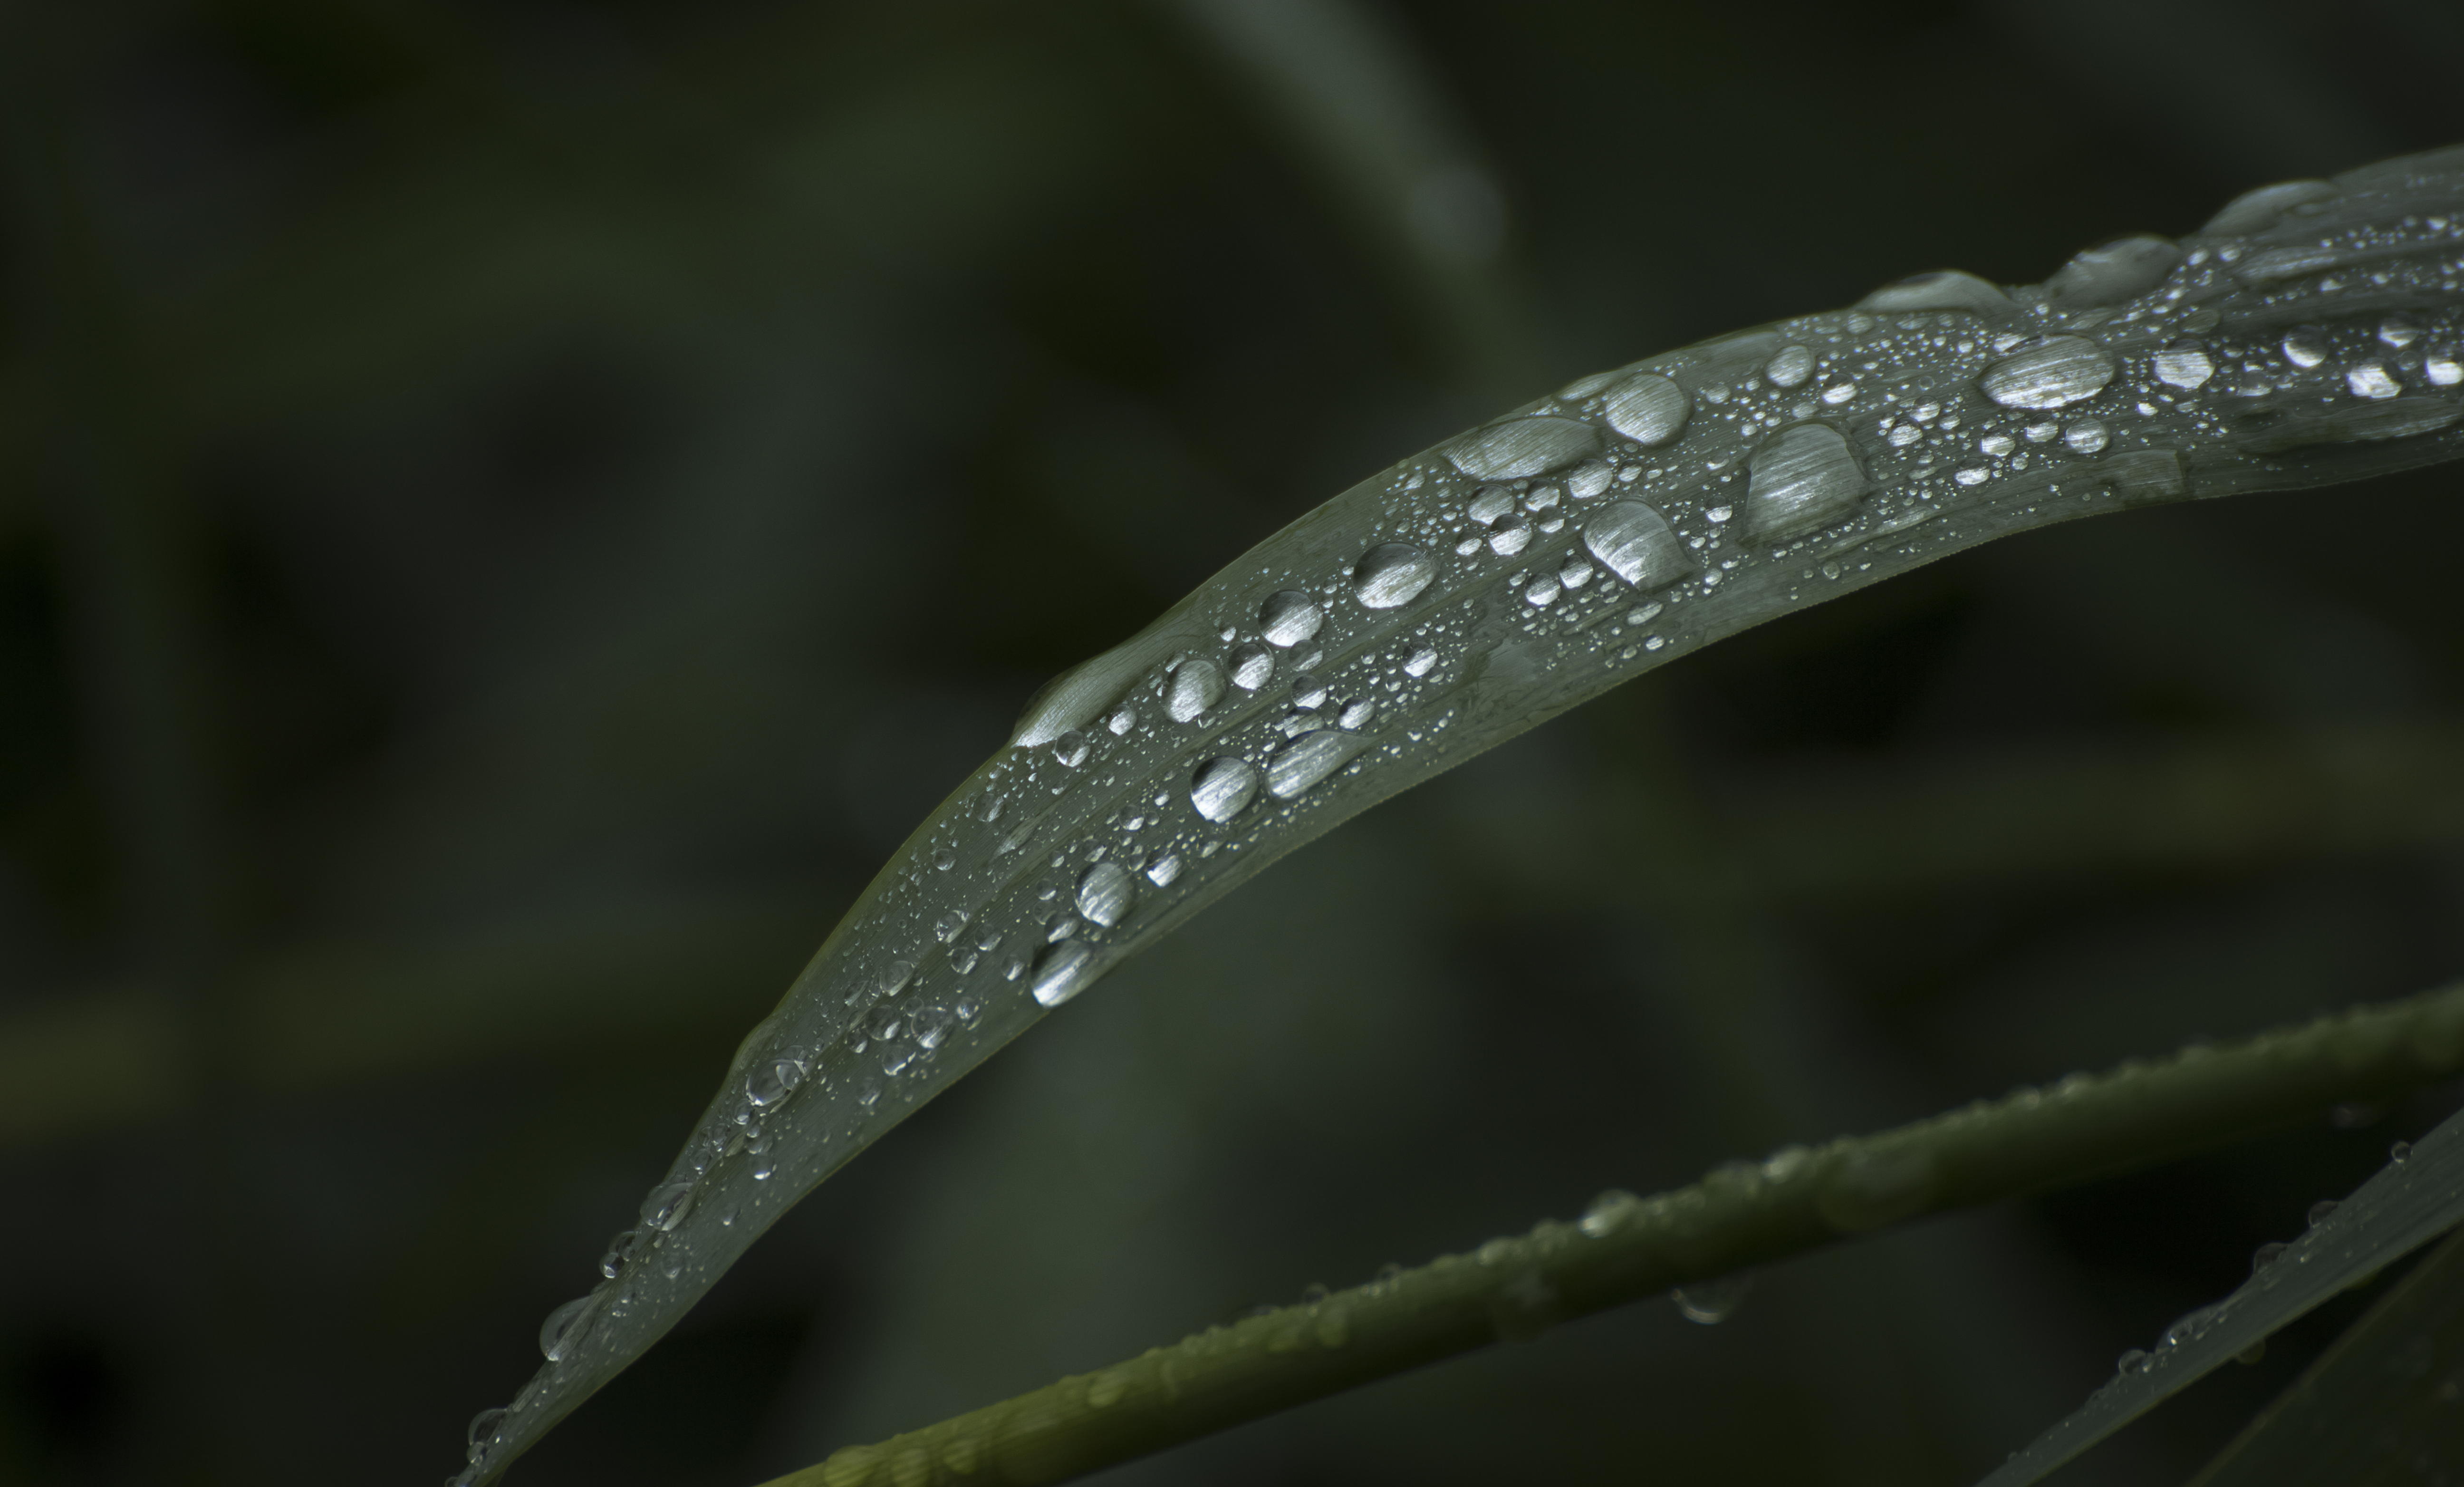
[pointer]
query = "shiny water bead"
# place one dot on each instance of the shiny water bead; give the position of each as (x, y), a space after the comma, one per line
(1308, 694)
(566, 1326)
(2184, 365)
(2372, 379)
(1510, 535)
(1061, 971)
(1252, 665)
(1902, 435)
(1582, 388)
(1356, 713)
(2253, 211)
(894, 975)
(1105, 892)
(946, 929)
(1423, 661)
(1289, 618)
(1164, 869)
(772, 1080)
(1194, 686)
(1523, 447)
(2305, 346)
(1490, 503)
(1802, 480)
(1790, 366)
(2113, 273)
(619, 1250)
(1122, 720)
(1633, 541)
(1947, 289)
(1575, 572)
(1223, 787)
(1542, 592)
(2086, 436)
(1710, 1302)
(1838, 392)
(2054, 373)
(1588, 480)
(2039, 433)
(2442, 371)
(1391, 575)
(1647, 409)
(1071, 749)
(2400, 330)
(667, 1207)
(481, 1430)
(1311, 758)
(1997, 445)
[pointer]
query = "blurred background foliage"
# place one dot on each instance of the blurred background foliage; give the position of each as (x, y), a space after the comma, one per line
(509, 512)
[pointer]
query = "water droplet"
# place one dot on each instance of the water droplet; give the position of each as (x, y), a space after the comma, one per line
(1711, 1302)
(1308, 694)
(2055, 373)
(1164, 869)
(1790, 366)
(1423, 661)
(1123, 718)
(2372, 380)
(1491, 502)
(1838, 392)
(1311, 758)
(1510, 535)
(2321, 1210)
(2305, 346)
(2266, 1254)
(1523, 447)
(2087, 435)
(2400, 1152)
(619, 1250)
(566, 1326)
(1356, 714)
(773, 1081)
(1575, 572)
(2442, 371)
(1588, 480)
(667, 1207)
(944, 860)
(482, 1430)
(1061, 971)
(1947, 289)
(1289, 618)
(1224, 788)
(1974, 474)
(2113, 273)
(2039, 433)
(1105, 894)
(1997, 445)
(1251, 665)
(931, 1026)
(1905, 435)
(1647, 409)
(2184, 365)
(1195, 685)
(2135, 1360)
(2252, 210)
(1800, 480)
(1607, 1212)
(1633, 541)
(1391, 574)
(895, 975)
(2399, 330)
(946, 929)
(1071, 749)
(1541, 498)
(1542, 592)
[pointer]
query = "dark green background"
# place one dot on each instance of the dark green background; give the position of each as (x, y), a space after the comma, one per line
(509, 512)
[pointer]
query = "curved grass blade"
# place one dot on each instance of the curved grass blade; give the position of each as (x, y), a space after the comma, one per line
(2378, 1405)
(2412, 1200)
(2311, 333)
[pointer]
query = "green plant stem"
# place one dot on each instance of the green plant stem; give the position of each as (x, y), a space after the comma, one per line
(1742, 1214)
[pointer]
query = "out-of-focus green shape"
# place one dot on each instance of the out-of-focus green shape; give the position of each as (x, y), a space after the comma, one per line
(1481, 586)
(2383, 1406)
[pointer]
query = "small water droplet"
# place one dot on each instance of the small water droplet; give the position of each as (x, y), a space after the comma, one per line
(1575, 572)
(1196, 685)
(1355, 714)
(2399, 330)
(1289, 618)
(1647, 409)
(1523, 447)
(2135, 1360)
(1061, 971)
(1588, 480)
(2305, 346)
(1711, 1302)
(2184, 365)
(895, 976)
(1541, 498)
(481, 1430)
(1071, 749)
(2322, 1210)
(1800, 480)
(1838, 392)
(2372, 379)
(1251, 665)
(1790, 366)
(1974, 475)
(773, 1081)
(944, 860)
(1543, 592)
(2442, 371)
(1511, 534)
(1391, 575)
(1491, 502)
(946, 929)
(1904, 435)
(1223, 787)
(1633, 541)
(2055, 373)
(1164, 869)
(1105, 892)
(2087, 435)
(667, 1207)
(1997, 445)
(1311, 758)
(1423, 661)
(2266, 1254)
(1308, 694)
(1123, 718)
(2400, 1152)
(566, 1326)
(619, 1250)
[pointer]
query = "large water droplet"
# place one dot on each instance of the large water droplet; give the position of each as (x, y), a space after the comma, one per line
(1802, 480)
(1647, 409)
(1391, 574)
(1251, 665)
(1071, 749)
(772, 1081)
(2372, 380)
(2054, 373)
(1511, 535)
(2252, 210)
(2184, 365)
(1290, 618)
(2442, 371)
(1164, 869)
(1947, 289)
(1196, 685)
(2305, 346)
(2124, 267)
(1711, 1302)
(1790, 366)
(667, 1207)
(566, 1327)
(1633, 541)
(1106, 892)
(1061, 971)
(1523, 448)
(481, 1430)
(1224, 788)
(1311, 758)
(2400, 330)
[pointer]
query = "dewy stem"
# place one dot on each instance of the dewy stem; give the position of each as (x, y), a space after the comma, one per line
(1627, 1249)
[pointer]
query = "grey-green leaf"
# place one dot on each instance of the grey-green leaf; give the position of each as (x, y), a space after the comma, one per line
(1450, 601)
